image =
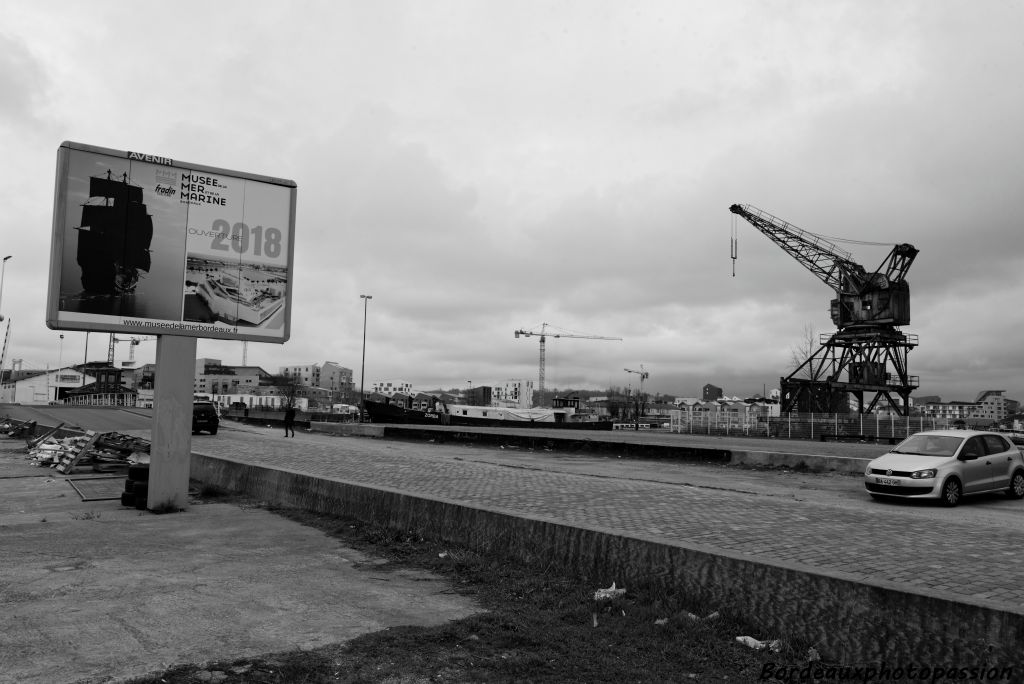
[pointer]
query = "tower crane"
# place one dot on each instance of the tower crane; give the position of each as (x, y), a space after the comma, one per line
(867, 311)
(544, 334)
(640, 394)
(133, 342)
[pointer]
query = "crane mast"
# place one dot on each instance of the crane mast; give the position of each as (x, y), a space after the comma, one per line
(867, 309)
(133, 342)
(543, 334)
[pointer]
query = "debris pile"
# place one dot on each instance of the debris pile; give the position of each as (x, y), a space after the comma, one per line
(774, 645)
(17, 428)
(104, 451)
(605, 599)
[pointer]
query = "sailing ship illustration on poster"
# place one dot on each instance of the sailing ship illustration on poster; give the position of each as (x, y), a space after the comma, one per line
(114, 238)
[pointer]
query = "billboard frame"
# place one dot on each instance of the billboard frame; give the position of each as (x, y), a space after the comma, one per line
(277, 191)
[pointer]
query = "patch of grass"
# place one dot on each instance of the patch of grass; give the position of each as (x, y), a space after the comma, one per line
(167, 506)
(90, 515)
(212, 491)
(538, 625)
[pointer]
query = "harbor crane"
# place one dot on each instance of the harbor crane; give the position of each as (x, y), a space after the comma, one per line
(133, 342)
(867, 311)
(544, 334)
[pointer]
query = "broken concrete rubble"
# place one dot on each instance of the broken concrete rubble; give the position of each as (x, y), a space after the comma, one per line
(104, 452)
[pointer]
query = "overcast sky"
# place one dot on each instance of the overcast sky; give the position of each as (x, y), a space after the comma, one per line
(480, 167)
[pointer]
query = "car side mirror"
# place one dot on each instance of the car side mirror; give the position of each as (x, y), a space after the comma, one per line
(967, 457)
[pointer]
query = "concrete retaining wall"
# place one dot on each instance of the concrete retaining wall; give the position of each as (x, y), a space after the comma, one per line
(576, 442)
(811, 463)
(349, 429)
(847, 621)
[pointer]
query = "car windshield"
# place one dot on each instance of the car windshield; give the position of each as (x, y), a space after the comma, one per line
(929, 445)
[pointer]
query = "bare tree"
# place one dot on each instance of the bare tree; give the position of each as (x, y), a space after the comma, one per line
(803, 350)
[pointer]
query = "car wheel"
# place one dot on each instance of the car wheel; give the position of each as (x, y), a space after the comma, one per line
(952, 491)
(1016, 490)
(213, 431)
(877, 497)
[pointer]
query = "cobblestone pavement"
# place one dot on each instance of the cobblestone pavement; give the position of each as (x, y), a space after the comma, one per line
(974, 550)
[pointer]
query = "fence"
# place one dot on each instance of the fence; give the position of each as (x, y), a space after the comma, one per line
(101, 399)
(820, 426)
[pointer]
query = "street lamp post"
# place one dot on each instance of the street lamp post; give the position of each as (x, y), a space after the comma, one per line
(60, 360)
(85, 358)
(362, 370)
(640, 394)
(3, 271)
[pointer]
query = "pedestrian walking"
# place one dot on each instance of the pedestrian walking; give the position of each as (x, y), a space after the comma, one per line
(289, 421)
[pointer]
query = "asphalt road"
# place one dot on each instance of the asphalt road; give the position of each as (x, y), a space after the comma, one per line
(98, 418)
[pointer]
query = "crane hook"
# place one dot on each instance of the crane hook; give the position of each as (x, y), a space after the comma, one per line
(733, 246)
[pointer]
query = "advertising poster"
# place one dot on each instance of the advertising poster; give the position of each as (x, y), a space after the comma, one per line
(144, 244)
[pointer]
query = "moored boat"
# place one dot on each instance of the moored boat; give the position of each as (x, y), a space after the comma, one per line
(483, 416)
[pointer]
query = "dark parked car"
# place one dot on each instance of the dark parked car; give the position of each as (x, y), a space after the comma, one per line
(204, 417)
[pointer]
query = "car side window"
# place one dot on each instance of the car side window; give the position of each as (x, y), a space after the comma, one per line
(996, 444)
(973, 447)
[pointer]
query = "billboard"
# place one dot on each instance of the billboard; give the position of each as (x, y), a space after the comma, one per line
(150, 245)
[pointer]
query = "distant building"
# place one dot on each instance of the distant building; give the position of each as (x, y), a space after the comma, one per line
(515, 393)
(307, 374)
(338, 379)
(329, 376)
(43, 387)
(260, 402)
(948, 410)
(711, 393)
(214, 378)
(389, 388)
(107, 390)
(479, 396)
(721, 411)
(992, 405)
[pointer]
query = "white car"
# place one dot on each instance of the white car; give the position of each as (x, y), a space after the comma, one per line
(947, 465)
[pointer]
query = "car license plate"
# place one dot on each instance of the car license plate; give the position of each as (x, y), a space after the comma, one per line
(886, 481)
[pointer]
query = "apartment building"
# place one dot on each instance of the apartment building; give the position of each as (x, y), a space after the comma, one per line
(992, 405)
(391, 387)
(307, 374)
(213, 377)
(515, 393)
(948, 410)
(338, 380)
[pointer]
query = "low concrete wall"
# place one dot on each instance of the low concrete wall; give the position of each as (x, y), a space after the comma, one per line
(579, 442)
(349, 429)
(850, 622)
(574, 441)
(811, 463)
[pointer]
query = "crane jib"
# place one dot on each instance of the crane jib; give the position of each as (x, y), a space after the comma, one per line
(863, 297)
(868, 352)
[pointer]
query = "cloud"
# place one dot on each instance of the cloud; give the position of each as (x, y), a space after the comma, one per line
(480, 168)
(22, 80)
